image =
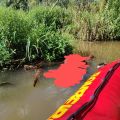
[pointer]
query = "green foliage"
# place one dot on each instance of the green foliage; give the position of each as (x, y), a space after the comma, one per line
(45, 31)
(17, 4)
(93, 26)
(15, 30)
(4, 54)
(98, 20)
(45, 40)
(48, 44)
(112, 14)
(34, 34)
(51, 17)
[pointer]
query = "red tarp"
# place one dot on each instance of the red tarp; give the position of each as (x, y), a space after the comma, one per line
(107, 105)
(70, 72)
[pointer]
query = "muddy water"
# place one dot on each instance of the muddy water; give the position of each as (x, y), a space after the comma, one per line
(19, 100)
(103, 51)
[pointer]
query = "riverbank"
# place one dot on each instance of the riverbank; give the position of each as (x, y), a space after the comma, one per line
(48, 32)
(36, 35)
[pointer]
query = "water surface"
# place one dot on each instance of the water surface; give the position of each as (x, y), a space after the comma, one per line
(21, 101)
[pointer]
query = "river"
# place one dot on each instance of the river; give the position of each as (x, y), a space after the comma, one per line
(21, 101)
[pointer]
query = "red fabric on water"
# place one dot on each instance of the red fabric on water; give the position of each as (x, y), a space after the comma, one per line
(69, 73)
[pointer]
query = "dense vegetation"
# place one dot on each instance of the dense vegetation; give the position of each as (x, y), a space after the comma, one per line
(37, 34)
(46, 30)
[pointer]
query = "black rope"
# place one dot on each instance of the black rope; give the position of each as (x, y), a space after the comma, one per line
(89, 105)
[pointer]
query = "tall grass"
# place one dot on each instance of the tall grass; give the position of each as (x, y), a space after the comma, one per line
(34, 34)
(112, 12)
(97, 20)
(45, 31)
(15, 29)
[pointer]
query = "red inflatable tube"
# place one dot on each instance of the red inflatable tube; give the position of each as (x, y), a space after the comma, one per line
(97, 99)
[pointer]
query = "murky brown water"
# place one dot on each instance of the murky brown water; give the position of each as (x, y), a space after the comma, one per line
(21, 101)
(103, 51)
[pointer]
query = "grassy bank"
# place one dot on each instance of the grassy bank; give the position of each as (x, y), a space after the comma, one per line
(46, 30)
(37, 34)
(98, 20)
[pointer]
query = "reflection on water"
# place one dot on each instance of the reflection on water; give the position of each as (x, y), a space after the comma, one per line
(21, 101)
(103, 51)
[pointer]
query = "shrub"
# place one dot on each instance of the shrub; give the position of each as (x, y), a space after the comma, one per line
(51, 17)
(5, 55)
(35, 34)
(15, 30)
(47, 44)
(112, 14)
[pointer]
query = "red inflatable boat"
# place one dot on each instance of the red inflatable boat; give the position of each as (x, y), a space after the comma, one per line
(97, 99)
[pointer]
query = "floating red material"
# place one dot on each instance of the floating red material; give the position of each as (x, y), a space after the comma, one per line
(69, 73)
(97, 99)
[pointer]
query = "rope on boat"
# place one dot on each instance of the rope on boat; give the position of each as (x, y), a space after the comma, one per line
(82, 111)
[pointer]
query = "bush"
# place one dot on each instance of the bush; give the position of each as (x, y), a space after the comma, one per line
(112, 14)
(93, 26)
(99, 20)
(35, 34)
(57, 18)
(45, 40)
(48, 45)
(15, 30)
(5, 55)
